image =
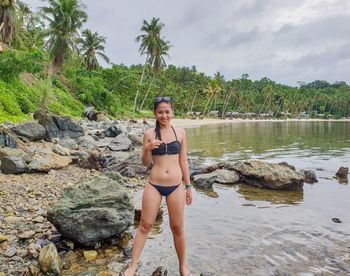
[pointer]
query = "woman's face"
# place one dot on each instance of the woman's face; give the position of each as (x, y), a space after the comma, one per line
(163, 113)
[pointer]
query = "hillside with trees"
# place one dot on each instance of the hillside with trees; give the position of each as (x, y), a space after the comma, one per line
(49, 60)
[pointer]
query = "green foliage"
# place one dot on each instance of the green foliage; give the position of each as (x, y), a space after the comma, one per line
(12, 63)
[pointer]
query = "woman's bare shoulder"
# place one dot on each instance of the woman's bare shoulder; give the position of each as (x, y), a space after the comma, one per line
(180, 131)
(149, 132)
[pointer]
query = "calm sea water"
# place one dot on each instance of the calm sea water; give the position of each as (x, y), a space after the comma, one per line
(242, 230)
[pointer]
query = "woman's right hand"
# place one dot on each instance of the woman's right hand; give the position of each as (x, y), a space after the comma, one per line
(153, 144)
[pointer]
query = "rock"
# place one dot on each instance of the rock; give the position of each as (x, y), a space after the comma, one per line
(48, 162)
(13, 219)
(92, 210)
(2, 238)
(287, 165)
(88, 112)
(90, 255)
(58, 127)
(7, 138)
(60, 150)
(267, 175)
(101, 117)
(342, 173)
(49, 260)
(11, 251)
(13, 165)
(68, 143)
(27, 235)
(136, 138)
(138, 214)
(120, 143)
(87, 142)
(130, 167)
(112, 131)
(309, 176)
(32, 131)
(34, 270)
(206, 181)
(10, 152)
(105, 273)
(92, 161)
(38, 219)
(160, 271)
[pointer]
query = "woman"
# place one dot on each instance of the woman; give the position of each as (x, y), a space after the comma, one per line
(164, 147)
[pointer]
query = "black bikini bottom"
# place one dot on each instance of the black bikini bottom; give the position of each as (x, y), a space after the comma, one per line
(165, 190)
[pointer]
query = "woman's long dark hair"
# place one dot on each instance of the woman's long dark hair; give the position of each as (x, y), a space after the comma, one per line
(158, 101)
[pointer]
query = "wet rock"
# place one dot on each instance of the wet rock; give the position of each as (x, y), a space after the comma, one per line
(160, 271)
(13, 165)
(138, 214)
(206, 181)
(267, 175)
(120, 143)
(60, 150)
(49, 260)
(92, 210)
(90, 255)
(31, 130)
(112, 131)
(7, 138)
(309, 176)
(342, 173)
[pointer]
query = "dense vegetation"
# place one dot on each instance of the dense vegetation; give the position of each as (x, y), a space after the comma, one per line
(48, 60)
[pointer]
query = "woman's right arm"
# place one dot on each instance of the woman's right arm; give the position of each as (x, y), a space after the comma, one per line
(146, 150)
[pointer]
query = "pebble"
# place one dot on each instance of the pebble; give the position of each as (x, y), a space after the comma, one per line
(2, 238)
(90, 255)
(38, 219)
(11, 251)
(27, 235)
(13, 219)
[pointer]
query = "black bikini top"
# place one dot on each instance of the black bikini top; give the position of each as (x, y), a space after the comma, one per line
(168, 148)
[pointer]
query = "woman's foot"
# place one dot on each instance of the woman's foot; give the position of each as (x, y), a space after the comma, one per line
(184, 271)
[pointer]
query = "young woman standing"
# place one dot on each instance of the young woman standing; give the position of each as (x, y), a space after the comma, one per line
(165, 148)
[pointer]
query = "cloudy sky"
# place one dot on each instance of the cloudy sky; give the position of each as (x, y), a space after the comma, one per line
(287, 41)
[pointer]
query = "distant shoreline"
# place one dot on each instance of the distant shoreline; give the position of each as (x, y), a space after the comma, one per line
(199, 122)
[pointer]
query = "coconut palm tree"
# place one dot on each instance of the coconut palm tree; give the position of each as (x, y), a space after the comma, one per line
(65, 18)
(150, 44)
(7, 21)
(213, 90)
(92, 45)
(158, 64)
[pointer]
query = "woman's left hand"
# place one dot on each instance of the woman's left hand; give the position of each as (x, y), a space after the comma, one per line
(188, 196)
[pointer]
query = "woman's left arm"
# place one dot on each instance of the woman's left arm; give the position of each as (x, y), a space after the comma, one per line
(184, 168)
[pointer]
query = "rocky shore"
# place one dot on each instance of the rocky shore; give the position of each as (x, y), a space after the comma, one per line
(66, 192)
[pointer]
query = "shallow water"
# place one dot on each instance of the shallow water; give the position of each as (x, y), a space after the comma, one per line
(243, 230)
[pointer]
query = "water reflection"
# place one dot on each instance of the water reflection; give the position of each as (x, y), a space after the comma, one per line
(252, 193)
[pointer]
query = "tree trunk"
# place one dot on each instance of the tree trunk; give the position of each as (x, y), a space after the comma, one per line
(149, 88)
(195, 95)
(138, 89)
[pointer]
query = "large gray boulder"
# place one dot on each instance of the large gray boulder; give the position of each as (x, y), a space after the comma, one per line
(120, 143)
(12, 165)
(92, 210)
(267, 175)
(7, 138)
(31, 130)
(206, 180)
(58, 127)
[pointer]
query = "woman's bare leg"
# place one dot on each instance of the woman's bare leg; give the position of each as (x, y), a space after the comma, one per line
(176, 204)
(151, 199)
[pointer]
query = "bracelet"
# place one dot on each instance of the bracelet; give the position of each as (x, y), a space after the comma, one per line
(188, 186)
